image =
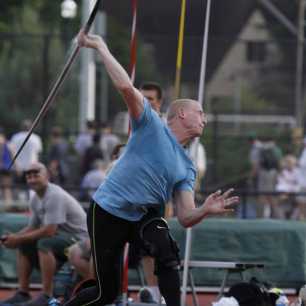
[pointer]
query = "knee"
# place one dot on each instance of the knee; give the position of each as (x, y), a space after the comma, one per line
(161, 246)
(44, 245)
(74, 254)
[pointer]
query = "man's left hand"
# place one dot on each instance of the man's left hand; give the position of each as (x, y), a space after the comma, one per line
(219, 203)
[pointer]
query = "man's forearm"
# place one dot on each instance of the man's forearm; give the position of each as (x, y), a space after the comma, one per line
(34, 234)
(193, 216)
(116, 72)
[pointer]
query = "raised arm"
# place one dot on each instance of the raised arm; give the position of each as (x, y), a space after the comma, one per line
(131, 95)
(216, 203)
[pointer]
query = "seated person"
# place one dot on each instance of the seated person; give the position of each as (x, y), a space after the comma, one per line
(57, 221)
(79, 256)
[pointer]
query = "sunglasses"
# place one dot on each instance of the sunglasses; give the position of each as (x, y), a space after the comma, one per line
(32, 171)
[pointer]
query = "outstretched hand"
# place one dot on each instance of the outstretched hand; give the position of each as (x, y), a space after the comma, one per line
(219, 203)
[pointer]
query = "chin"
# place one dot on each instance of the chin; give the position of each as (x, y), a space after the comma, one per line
(198, 133)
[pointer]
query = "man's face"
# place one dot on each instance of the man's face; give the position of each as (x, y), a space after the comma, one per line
(36, 178)
(194, 119)
(152, 97)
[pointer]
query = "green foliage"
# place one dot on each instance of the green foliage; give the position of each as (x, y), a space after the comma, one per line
(31, 61)
(33, 55)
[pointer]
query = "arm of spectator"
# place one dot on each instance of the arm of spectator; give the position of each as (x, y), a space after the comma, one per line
(132, 96)
(29, 234)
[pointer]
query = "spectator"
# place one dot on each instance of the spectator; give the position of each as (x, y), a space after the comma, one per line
(108, 141)
(57, 157)
(92, 179)
(301, 199)
(30, 152)
(198, 154)
(79, 256)
(6, 154)
(57, 221)
(288, 185)
(254, 160)
(269, 163)
(91, 154)
(84, 139)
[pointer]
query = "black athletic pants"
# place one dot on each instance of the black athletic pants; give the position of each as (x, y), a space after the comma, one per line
(108, 236)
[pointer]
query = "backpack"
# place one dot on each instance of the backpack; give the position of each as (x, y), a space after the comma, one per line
(268, 159)
(252, 293)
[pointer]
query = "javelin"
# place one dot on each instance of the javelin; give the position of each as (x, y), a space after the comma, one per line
(133, 48)
(60, 80)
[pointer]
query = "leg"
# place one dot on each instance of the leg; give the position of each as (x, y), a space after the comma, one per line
(108, 235)
(24, 270)
(149, 293)
(78, 261)
(148, 269)
(157, 238)
(51, 254)
(47, 264)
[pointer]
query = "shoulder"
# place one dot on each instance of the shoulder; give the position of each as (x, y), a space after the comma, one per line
(54, 190)
(146, 116)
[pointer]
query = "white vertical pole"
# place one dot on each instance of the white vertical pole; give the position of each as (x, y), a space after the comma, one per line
(204, 55)
(87, 77)
(201, 100)
(299, 108)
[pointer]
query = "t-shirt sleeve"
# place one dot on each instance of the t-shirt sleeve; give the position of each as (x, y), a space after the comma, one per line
(188, 183)
(54, 210)
(144, 117)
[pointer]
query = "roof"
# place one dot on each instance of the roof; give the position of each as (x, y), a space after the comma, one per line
(158, 21)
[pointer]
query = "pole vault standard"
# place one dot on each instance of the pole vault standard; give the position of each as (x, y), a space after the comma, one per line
(60, 80)
(201, 100)
(133, 58)
(180, 51)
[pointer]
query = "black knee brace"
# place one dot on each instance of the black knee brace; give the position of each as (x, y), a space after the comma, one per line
(160, 244)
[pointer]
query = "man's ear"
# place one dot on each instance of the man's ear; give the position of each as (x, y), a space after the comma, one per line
(181, 113)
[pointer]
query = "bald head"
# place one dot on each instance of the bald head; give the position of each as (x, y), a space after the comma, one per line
(186, 119)
(38, 167)
(177, 105)
(37, 177)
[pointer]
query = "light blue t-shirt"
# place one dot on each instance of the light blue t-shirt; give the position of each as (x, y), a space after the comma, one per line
(151, 167)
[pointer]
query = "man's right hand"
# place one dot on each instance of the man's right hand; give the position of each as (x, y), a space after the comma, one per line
(10, 241)
(89, 41)
(3, 238)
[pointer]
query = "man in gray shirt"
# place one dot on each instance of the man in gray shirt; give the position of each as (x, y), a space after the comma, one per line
(57, 221)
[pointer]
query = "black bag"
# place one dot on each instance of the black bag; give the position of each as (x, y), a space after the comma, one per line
(268, 158)
(253, 293)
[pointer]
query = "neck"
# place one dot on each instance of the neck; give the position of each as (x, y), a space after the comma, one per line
(181, 135)
(41, 192)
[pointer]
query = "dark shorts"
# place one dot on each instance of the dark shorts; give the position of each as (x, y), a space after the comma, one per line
(137, 250)
(57, 244)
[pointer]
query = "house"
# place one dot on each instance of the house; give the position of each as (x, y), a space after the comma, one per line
(241, 67)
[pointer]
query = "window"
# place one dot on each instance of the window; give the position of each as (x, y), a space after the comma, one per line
(256, 51)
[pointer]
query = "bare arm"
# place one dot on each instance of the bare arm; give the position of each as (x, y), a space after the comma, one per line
(216, 203)
(132, 96)
(29, 234)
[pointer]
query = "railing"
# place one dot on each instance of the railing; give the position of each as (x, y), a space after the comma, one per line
(253, 203)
